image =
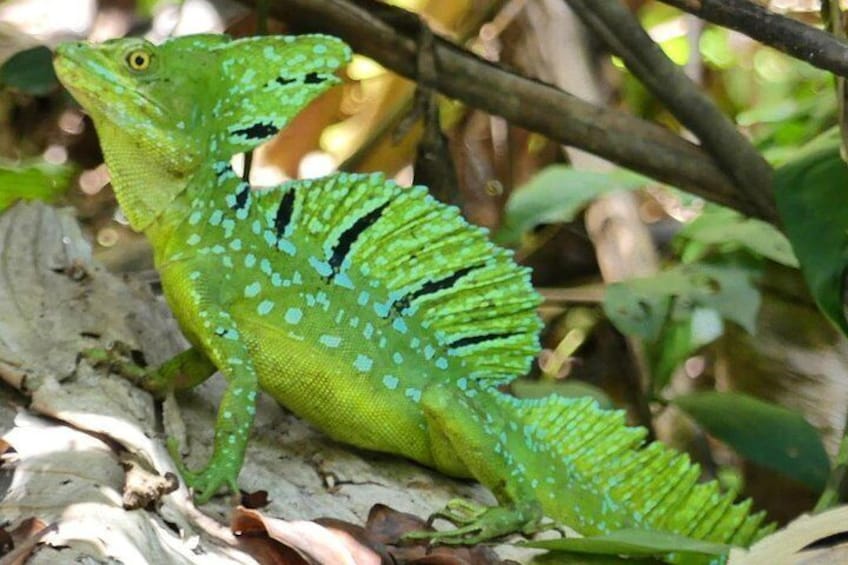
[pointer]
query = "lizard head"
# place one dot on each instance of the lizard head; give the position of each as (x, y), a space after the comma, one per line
(164, 111)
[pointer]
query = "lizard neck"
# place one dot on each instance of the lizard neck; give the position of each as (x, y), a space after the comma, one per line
(216, 194)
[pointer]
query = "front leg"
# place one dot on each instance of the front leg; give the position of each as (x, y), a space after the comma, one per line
(235, 414)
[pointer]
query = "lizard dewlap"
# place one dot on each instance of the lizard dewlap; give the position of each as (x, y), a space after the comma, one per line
(373, 311)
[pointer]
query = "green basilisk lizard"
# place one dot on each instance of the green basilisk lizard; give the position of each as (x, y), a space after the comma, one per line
(371, 310)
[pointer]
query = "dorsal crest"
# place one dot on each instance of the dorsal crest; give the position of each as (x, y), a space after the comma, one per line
(268, 80)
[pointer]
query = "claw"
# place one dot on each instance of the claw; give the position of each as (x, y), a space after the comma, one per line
(208, 481)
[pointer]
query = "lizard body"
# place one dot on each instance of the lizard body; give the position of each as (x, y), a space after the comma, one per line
(373, 311)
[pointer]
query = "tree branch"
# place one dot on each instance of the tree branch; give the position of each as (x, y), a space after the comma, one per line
(387, 34)
(619, 29)
(794, 38)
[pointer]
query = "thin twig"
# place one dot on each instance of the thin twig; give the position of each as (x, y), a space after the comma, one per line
(383, 32)
(619, 29)
(794, 38)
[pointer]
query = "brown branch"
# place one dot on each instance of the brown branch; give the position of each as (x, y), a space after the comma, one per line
(388, 35)
(619, 29)
(794, 38)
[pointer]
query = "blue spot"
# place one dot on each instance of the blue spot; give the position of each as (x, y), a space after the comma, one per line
(270, 238)
(368, 331)
(382, 310)
(397, 357)
(322, 267)
(249, 260)
(343, 280)
(399, 325)
(264, 307)
(293, 315)
(195, 217)
(193, 239)
(276, 280)
(194, 275)
(391, 382)
(330, 340)
(429, 352)
(253, 289)
(218, 249)
(413, 393)
(287, 246)
(235, 244)
(442, 363)
(462, 383)
(363, 363)
(265, 266)
(256, 226)
(363, 298)
(216, 217)
(227, 261)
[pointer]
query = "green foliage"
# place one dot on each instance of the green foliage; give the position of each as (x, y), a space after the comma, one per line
(568, 388)
(642, 306)
(679, 310)
(725, 231)
(633, 542)
(30, 71)
(557, 194)
(35, 181)
(811, 198)
(769, 435)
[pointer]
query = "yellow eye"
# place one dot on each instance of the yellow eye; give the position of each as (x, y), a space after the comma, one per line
(138, 60)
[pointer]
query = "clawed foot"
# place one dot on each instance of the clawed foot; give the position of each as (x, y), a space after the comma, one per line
(208, 481)
(121, 359)
(477, 523)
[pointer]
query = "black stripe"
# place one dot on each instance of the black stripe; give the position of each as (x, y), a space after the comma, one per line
(259, 130)
(284, 81)
(347, 239)
(475, 339)
(313, 78)
(284, 212)
(241, 196)
(431, 287)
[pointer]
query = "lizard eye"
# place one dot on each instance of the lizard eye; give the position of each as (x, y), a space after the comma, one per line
(138, 60)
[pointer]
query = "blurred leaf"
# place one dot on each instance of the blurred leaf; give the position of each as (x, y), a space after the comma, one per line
(570, 388)
(556, 194)
(632, 542)
(30, 71)
(39, 181)
(768, 435)
(641, 307)
(811, 200)
(727, 230)
(679, 340)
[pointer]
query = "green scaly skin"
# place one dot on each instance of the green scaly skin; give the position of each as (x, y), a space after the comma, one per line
(373, 311)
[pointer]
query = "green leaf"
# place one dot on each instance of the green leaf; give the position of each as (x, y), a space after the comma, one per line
(30, 71)
(722, 228)
(556, 194)
(679, 340)
(35, 181)
(769, 435)
(811, 200)
(641, 307)
(632, 542)
(570, 388)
